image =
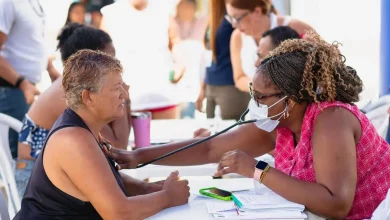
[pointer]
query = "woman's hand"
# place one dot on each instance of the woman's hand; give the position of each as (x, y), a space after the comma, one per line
(236, 162)
(154, 187)
(177, 191)
(199, 101)
(125, 159)
(202, 133)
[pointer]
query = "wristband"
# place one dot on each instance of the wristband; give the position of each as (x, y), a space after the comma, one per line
(19, 81)
(260, 170)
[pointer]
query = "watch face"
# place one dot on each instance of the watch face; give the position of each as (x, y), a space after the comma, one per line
(261, 165)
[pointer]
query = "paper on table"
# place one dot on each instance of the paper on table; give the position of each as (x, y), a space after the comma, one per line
(266, 202)
(215, 207)
(274, 214)
(227, 210)
(262, 216)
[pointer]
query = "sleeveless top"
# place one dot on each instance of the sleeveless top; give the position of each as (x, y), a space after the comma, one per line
(143, 51)
(249, 47)
(220, 73)
(43, 200)
(372, 151)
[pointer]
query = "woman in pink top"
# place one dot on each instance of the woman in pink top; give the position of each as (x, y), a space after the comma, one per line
(326, 150)
(189, 26)
(328, 155)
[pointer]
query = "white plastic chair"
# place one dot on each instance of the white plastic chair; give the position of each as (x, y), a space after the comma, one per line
(376, 111)
(6, 161)
(8, 176)
(383, 210)
(7, 122)
(4, 215)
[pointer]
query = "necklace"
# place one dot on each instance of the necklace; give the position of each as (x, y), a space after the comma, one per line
(39, 11)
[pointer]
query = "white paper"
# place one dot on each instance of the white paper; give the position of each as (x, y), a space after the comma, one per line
(263, 216)
(274, 214)
(215, 207)
(227, 210)
(269, 202)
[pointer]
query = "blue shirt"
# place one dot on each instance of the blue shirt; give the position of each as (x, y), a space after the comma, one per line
(220, 73)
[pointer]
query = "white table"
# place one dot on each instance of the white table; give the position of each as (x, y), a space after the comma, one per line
(197, 170)
(164, 171)
(196, 207)
(174, 130)
(182, 129)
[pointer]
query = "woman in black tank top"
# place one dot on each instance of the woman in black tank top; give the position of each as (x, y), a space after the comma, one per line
(72, 178)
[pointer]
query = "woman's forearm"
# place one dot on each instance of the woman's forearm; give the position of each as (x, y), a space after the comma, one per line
(140, 207)
(315, 197)
(193, 156)
(133, 186)
(242, 83)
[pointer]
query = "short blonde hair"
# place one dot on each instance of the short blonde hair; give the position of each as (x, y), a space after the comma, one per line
(86, 70)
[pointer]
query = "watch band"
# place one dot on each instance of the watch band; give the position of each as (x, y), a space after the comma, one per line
(19, 81)
(257, 174)
(260, 170)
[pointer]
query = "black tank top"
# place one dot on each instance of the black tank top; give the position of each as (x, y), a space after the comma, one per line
(42, 200)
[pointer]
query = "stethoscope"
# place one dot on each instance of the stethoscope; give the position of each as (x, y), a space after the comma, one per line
(241, 121)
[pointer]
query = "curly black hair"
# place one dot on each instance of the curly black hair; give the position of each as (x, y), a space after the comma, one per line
(312, 70)
(74, 37)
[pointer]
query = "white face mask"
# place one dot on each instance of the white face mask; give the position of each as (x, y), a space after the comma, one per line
(260, 113)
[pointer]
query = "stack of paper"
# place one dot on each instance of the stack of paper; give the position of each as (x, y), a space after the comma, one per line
(271, 202)
(251, 206)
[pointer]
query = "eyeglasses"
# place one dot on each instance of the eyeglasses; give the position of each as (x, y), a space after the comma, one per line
(236, 21)
(257, 97)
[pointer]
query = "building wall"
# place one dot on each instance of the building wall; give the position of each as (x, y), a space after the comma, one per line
(355, 24)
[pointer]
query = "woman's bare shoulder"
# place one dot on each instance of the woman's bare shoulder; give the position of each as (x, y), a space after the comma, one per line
(72, 141)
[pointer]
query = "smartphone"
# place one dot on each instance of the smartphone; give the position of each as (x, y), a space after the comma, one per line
(216, 193)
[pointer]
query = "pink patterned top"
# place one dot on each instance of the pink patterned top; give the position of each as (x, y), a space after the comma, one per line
(373, 159)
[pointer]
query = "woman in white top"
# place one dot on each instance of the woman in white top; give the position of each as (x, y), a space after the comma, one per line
(189, 53)
(252, 18)
(143, 31)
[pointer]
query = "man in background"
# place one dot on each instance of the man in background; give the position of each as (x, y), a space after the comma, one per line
(22, 58)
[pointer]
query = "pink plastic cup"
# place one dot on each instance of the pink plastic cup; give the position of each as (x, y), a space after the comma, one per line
(141, 128)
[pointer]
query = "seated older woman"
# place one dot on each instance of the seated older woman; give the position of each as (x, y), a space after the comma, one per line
(72, 178)
(45, 111)
(50, 104)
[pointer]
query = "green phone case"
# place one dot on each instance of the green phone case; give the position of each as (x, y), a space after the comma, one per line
(212, 195)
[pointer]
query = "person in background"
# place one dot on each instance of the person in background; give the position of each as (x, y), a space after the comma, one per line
(189, 52)
(50, 105)
(328, 155)
(94, 7)
(190, 27)
(218, 87)
(23, 58)
(76, 13)
(269, 41)
(146, 53)
(72, 178)
(251, 19)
